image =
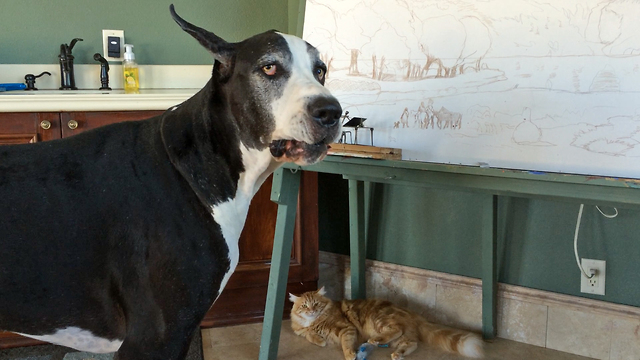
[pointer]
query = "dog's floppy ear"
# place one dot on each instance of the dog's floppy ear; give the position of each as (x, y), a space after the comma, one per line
(221, 50)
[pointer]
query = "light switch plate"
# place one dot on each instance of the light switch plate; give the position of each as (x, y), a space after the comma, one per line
(105, 35)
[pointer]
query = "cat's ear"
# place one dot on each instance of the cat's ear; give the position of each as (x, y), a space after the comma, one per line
(321, 291)
(293, 298)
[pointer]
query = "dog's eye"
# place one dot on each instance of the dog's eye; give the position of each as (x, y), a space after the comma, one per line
(269, 69)
(320, 72)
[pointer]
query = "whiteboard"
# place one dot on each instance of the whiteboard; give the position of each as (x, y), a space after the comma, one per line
(545, 86)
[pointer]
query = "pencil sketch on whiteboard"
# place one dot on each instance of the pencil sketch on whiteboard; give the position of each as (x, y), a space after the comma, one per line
(522, 84)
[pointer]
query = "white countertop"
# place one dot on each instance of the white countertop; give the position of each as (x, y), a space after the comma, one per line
(161, 87)
(91, 100)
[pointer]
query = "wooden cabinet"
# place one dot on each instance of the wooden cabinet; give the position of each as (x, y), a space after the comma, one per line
(20, 128)
(243, 299)
(72, 123)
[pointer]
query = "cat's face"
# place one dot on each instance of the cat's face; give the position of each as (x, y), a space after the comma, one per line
(309, 305)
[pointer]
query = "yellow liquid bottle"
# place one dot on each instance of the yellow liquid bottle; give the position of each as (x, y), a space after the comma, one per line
(130, 71)
(131, 84)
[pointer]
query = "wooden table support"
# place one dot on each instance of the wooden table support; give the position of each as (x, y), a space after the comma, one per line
(284, 192)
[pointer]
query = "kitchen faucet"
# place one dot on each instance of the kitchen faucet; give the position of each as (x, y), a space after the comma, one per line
(67, 79)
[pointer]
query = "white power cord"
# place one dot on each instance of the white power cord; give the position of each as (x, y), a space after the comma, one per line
(575, 238)
(608, 216)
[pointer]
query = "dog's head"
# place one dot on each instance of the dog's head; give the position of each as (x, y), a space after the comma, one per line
(274, 85)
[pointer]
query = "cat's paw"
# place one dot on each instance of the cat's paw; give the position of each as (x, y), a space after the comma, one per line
(373, 341)
(320, 343)
(350, 355)
(316, 340)
(396, 356)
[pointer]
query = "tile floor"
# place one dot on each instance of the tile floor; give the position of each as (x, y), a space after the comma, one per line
(242, 342)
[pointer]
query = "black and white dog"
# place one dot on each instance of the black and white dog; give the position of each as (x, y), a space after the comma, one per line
(121, 238)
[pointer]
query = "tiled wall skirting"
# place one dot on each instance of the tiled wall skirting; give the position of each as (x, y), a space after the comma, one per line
(567, 323)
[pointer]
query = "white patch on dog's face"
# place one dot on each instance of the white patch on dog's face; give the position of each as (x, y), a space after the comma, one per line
(79, 339)
(290, 110)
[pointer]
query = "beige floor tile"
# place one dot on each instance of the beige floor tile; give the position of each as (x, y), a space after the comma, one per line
(208, 353)
(206, 338)
(233, 335)
(512, 350)
(235, 352)
(522, 321)
(459, 307)
(579, 333)
(625, 339)
(293, 347)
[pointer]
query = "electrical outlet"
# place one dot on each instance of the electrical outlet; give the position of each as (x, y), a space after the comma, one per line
(595, 285)
(117, 40)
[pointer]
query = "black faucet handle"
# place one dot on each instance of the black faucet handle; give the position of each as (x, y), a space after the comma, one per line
(73, 43)
(42, 73)
(30, 79)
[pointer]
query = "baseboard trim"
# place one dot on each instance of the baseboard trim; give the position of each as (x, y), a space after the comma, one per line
(506, 291)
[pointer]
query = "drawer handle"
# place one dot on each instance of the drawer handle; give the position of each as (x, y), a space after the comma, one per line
(45, 124)
(72, 124)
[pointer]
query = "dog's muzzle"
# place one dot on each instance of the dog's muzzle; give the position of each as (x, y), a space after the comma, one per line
(324, 113)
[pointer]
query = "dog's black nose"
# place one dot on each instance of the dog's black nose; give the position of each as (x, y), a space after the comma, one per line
(325, 110)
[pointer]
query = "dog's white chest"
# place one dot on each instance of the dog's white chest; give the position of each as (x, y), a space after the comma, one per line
(232, 214)
(79, 339)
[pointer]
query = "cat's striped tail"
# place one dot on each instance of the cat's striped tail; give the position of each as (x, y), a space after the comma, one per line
(451, 340)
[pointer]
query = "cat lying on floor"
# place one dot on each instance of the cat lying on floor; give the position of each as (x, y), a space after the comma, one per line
(321, 320)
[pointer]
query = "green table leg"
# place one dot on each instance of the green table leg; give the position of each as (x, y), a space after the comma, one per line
(357, 239)
(489, 272)
(369, 188)
(284, 192)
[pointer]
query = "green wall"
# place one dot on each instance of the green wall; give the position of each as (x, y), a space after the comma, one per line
(32, 30)
(440, 230)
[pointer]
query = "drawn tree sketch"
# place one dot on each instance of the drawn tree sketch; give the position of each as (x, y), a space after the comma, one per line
(550, 86)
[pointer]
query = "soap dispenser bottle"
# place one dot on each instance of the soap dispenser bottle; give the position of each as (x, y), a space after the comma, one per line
(130, 70)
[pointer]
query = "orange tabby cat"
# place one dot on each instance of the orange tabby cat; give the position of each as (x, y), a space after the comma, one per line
(381, 322)
(319, 320)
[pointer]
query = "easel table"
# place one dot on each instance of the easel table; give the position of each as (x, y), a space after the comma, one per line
(363, 173)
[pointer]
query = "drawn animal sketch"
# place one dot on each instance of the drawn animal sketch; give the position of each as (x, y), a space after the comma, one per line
(426, 117)
(448, 119)
(550, 86)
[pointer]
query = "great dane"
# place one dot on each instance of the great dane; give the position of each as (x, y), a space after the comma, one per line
(121, 238)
